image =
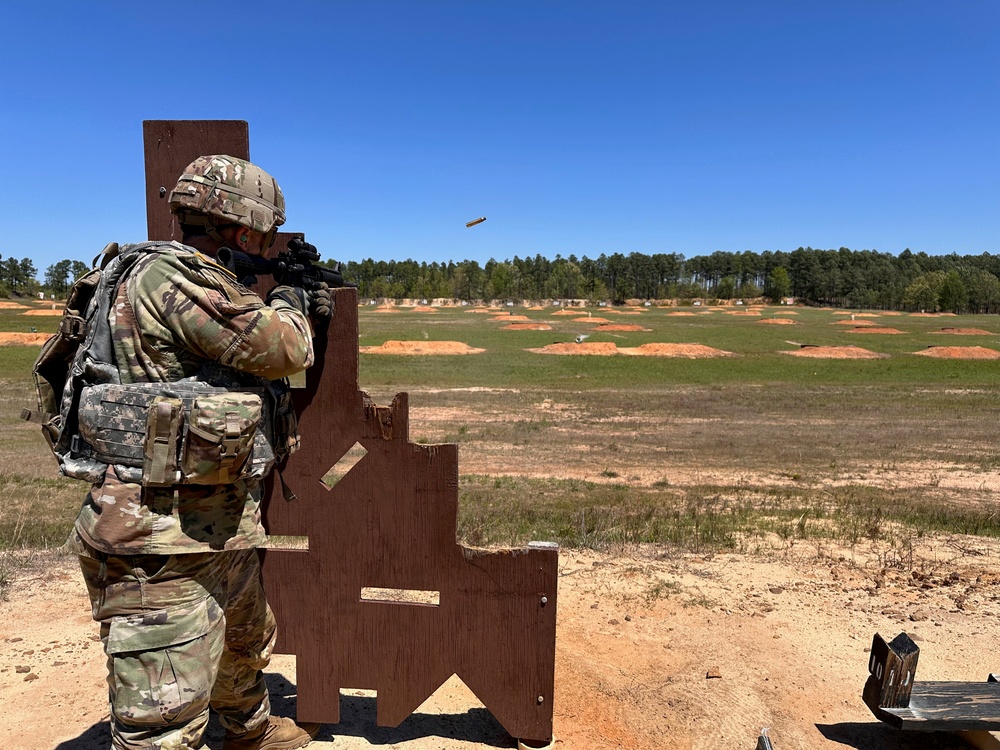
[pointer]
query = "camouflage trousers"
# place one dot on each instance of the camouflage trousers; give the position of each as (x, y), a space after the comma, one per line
(182, 633)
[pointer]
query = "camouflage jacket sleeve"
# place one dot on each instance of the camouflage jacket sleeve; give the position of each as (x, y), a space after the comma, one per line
(184, 304)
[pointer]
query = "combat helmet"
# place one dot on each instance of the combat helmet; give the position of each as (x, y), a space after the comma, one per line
(217, 190)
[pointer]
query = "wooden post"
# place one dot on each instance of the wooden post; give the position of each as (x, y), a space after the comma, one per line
(170, 145)
(383, 597)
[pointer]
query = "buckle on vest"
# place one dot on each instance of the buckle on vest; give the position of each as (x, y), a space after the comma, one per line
(73, 327)
(229, 449)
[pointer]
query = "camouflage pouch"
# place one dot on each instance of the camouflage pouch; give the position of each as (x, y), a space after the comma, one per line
(220, 438)
(163, 429)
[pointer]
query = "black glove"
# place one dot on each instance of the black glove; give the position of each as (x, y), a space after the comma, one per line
(320, 302)
(293, 295)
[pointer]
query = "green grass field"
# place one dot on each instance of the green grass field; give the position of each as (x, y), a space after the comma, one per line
(738, 452)
(756, 347)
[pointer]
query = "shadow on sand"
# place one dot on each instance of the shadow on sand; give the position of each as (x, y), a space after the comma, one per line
(357, 719)
(877, 736)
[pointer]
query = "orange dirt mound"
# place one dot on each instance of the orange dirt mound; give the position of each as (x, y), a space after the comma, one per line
(491, 311)
(873, 329)
(5, 305)
(511, 318)
(682, 314)
(42, 312)
(778, 322)
(690, 351)
(591, 320)
(836, 352)
(23, 339)
(965, 331)
(599, 348)
(855, 323)
(423, 308)
(785, 312)
(527, 327)
(620, 327)
(959, 352)
(421, 347)
(742, 312)
(566, 312)
(626, 312)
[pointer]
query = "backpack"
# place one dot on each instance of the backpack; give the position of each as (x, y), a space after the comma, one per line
(201, 430)
(80, 353)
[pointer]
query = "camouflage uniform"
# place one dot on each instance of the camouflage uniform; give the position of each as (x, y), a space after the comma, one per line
(172, 572)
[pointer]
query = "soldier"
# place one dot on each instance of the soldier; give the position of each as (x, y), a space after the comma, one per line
(172, 570)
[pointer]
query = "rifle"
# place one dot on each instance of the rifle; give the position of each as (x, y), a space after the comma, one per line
(294, 267)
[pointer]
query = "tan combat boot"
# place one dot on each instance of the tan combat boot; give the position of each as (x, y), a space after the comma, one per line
(278, 733)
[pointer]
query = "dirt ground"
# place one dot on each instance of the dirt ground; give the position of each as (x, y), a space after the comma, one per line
(421, 348)
(688, 652)
(960, 352)
(874, 329)
(835, 352)
(654, 650)
(964, 331)
(609, 349)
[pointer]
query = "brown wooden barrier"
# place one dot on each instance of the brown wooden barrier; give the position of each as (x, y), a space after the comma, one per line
(383, 598)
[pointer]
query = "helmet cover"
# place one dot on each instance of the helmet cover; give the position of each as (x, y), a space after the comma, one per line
(229, 190)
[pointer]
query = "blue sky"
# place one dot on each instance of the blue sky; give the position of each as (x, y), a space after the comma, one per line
(575, 127)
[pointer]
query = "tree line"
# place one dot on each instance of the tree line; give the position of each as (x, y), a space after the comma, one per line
(841, 278)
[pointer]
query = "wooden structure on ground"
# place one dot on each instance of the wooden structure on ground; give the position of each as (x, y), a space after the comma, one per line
(383, 597)
(895, 697)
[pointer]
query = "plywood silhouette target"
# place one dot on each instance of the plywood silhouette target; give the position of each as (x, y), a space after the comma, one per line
(383, 597)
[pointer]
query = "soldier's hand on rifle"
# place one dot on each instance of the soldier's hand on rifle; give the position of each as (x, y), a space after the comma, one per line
(293, 295)
(320, 302)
